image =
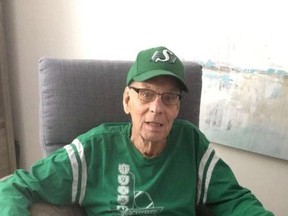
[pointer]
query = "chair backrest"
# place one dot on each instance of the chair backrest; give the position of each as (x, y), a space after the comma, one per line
(77, 95)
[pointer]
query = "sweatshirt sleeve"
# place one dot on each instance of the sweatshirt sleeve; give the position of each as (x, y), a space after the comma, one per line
(217, 186)
(220, 191)
(49, 180)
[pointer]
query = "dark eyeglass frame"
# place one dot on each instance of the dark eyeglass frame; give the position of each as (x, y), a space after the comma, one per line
(169, 95)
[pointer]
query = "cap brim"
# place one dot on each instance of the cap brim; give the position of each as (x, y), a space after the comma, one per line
(154, 73)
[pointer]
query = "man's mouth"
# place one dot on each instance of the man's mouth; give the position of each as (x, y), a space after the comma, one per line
(154, 124)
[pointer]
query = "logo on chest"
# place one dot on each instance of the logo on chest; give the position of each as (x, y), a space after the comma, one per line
(131, 201)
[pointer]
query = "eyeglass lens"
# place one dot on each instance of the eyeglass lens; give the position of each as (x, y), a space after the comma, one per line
(149, 95)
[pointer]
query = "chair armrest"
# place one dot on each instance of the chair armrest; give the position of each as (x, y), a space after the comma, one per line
(45, 209)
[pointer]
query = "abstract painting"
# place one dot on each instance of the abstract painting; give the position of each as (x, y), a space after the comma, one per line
(246, 109)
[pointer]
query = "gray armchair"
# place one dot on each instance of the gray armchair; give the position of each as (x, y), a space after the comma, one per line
(76, 95)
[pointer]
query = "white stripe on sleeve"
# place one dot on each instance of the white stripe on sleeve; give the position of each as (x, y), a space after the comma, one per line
(202, 165)
(75, 170)
(208, 175)
(81, 153)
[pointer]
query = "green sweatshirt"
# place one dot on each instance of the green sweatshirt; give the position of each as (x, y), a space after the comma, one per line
(102, 171)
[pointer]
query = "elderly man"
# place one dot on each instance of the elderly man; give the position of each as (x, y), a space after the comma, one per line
(153, 165)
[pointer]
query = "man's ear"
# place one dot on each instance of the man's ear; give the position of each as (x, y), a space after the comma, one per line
(126, 100)
(178, 109)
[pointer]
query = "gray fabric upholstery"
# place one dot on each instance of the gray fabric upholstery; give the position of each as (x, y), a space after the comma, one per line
(76, 95)
(45, 209)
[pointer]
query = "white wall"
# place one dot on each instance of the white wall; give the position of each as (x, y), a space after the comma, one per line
(118, 30)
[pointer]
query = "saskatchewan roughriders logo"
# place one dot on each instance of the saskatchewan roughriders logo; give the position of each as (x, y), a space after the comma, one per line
(131, 202)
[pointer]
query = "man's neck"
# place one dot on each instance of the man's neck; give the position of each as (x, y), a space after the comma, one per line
(148, 148)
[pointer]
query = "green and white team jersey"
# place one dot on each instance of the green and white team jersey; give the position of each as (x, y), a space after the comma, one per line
(102, 171)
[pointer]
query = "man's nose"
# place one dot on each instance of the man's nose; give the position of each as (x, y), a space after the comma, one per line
(157, 105)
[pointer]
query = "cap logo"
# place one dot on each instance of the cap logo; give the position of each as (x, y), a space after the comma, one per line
(164, 56)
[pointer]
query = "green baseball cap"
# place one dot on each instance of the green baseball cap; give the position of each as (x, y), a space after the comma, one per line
(156, 62)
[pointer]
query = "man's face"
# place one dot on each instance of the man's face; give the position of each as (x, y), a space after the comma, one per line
(151, 121)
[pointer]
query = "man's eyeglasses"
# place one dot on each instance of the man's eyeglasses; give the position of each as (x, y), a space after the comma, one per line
(148, 95)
